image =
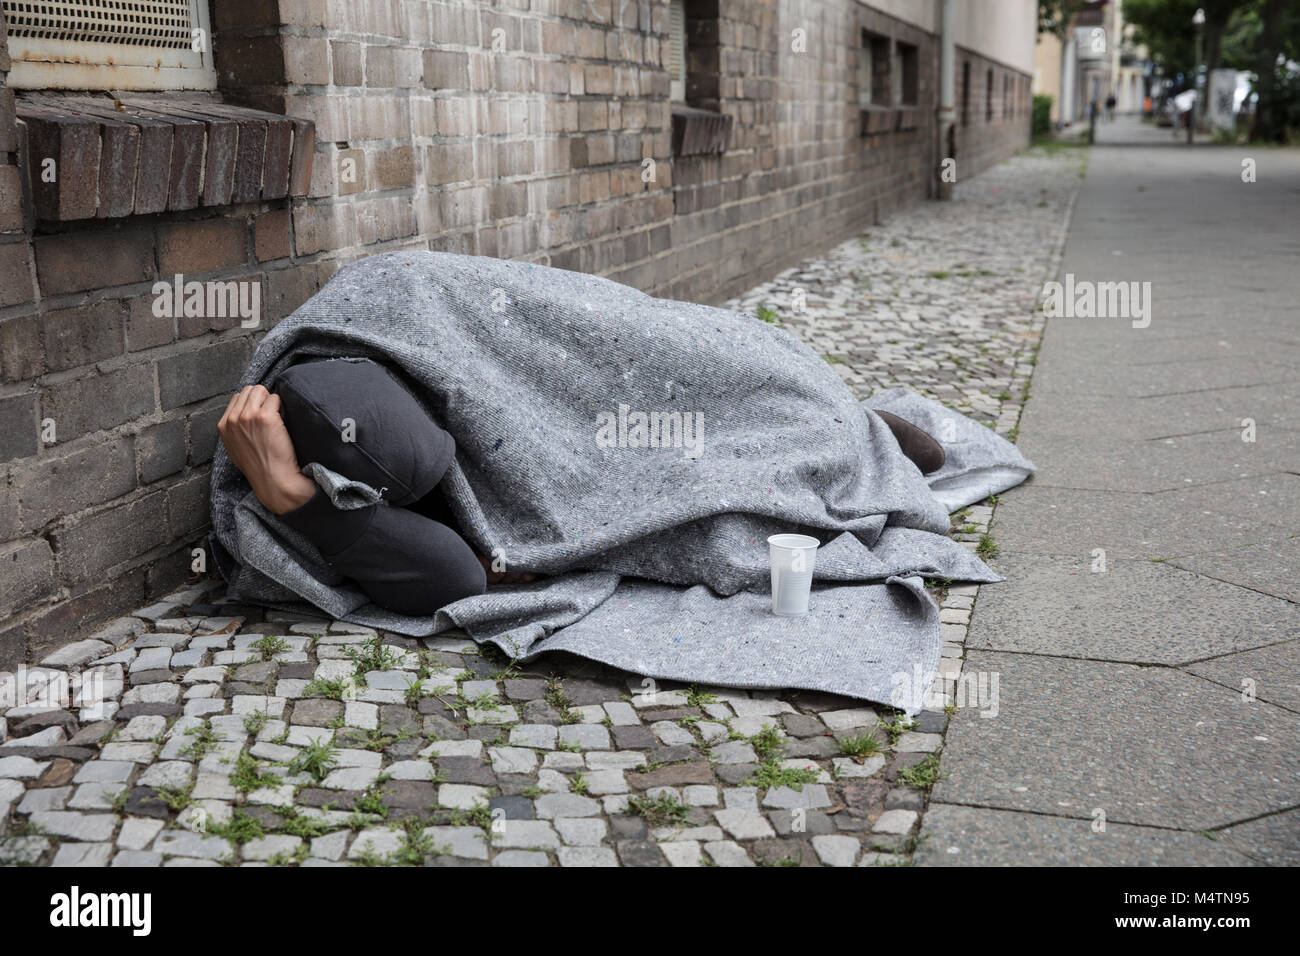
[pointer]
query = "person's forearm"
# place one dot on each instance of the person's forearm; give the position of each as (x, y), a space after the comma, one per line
(284, 492)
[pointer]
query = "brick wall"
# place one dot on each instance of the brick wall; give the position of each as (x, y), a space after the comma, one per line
(515, 129)
(989, 129)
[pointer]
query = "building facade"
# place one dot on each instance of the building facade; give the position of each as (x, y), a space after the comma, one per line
(690, 149)
(1098, 56)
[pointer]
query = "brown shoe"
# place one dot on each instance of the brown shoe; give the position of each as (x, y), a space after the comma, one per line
(926, 453)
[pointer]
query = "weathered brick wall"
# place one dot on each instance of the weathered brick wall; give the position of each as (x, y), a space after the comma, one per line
(104, 516)
(995, 126)
(517, 129)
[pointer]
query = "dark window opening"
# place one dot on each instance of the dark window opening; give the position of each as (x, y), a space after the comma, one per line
(965, 93)
(874, 71)
(694, 59)
(905, 65)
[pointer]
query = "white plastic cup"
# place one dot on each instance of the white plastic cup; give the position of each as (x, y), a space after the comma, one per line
(792, 556)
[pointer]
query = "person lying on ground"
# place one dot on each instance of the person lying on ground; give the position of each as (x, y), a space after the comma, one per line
(354, 417)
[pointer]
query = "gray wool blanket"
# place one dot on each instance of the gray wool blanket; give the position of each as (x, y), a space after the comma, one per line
(637, 452)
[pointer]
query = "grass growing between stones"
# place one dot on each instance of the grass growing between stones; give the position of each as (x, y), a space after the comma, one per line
(297, 857)
(204, 737)
(699, 698)
(859, 745)
(373, 656)
(295, 824)
(479, 815)
(507, 668)
(175, 798)
(239, 829)
(118, 802)
(249, 776)
(416, 845)
(269, 646)
(663, 810)
(562, 702)
(377, 740)
(254, 723)
(987, 548)
(484, 701)
(333, 689)
(769, 746)
(318, 758)
(371, 802)
(896, 727)
(923, 775)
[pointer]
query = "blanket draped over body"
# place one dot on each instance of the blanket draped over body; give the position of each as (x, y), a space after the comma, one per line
(638, 452)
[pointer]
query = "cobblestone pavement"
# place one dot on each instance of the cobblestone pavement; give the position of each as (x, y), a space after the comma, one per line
(235, 735)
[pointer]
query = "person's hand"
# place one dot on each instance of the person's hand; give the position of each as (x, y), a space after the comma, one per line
(503, 577)
(258, 443)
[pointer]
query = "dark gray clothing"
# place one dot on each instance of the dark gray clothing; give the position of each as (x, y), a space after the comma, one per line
(354, 417)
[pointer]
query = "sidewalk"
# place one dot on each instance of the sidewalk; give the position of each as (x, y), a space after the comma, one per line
(227, 737)
(1146, 641)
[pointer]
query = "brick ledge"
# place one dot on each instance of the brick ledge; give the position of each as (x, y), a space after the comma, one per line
(700, 132)
(125, 156)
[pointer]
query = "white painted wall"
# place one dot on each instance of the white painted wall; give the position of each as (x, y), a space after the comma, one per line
(919, 13)
(1002, 30)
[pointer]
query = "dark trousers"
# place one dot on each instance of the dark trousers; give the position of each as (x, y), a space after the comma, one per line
(356, 418)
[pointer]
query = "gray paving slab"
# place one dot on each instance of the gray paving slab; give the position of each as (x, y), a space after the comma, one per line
(978, 836)
(1271, 566)
(1043, 520)
(1137, 611)
(1271, 407)
(1273, 840)
(1085, 372)
(1267, 500)
(1184, 327)
(1104, 463)
(1084, 417)
(1270, 673)
(1150, 746)
(1215, 346)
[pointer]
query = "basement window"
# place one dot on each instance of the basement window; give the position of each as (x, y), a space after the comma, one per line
(109, 44)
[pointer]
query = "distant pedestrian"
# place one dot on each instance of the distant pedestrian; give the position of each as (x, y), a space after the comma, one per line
(1110, 108)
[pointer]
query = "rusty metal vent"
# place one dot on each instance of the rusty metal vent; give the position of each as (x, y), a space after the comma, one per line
(677, 50)
(160, 23)
(109, 44)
